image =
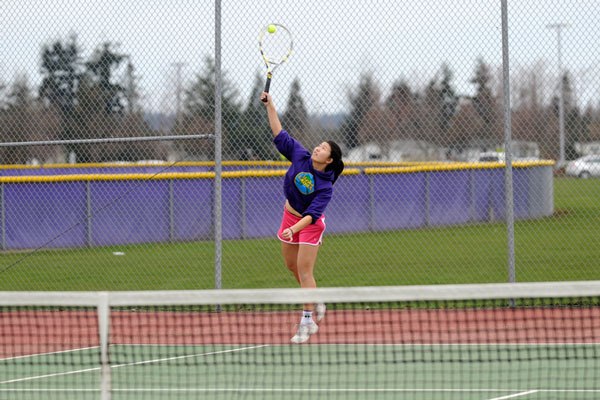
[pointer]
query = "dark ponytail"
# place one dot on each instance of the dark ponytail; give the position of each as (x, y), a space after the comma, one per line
(337, 165)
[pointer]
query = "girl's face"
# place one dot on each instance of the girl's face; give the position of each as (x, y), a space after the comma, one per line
(322, 153)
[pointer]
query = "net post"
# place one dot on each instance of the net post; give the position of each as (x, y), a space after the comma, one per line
(103, 329)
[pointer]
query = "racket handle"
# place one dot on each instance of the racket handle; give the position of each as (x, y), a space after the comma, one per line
(268, 84)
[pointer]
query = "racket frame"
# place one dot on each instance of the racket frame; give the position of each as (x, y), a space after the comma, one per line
(271, 63)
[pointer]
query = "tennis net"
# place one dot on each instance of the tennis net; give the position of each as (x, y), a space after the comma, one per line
(489, 341)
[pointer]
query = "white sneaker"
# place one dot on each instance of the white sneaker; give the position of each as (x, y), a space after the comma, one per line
(320, 310)
(304, 332)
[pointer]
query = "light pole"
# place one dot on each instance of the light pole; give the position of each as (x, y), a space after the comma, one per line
(561, 102)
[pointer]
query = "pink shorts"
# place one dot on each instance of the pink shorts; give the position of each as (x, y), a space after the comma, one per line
(312, 234)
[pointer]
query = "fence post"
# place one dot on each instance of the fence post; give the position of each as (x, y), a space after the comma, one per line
(427, 200)
(171, 211)
(371, 203)
(509, 195)
(243, 223)
(88, 214)
(218, 211)
(3, 211)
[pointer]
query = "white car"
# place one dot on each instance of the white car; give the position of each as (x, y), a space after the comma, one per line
(584, 167)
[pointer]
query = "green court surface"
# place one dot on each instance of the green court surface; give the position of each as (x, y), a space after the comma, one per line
(311, 371)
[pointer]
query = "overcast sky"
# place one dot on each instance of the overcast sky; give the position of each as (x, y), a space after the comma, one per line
(335, 41)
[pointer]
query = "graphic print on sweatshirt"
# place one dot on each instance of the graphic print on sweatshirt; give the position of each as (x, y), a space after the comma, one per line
(305, 182)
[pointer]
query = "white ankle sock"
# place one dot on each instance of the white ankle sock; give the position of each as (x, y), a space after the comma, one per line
(306, 318)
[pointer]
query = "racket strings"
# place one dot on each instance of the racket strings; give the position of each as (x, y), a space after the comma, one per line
(277, 47)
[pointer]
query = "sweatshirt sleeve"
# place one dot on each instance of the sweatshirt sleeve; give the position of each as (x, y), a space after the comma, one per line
(319, 203)
(288, 146)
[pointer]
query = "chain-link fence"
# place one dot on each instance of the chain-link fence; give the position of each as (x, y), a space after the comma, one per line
(110, 128)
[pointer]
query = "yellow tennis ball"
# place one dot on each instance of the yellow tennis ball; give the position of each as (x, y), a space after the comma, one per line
(271, 28)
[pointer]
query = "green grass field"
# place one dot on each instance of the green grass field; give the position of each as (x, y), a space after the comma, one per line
(561, 247)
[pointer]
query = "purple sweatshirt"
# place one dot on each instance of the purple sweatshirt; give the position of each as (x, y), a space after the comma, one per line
(307, 189)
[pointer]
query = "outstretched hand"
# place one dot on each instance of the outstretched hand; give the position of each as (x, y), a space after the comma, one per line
(266, 98)
(274, 122)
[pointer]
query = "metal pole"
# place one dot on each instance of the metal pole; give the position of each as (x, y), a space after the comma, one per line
(243, 211)
(371, 202)
(218, 211)
(107, 140)
(427, 199)
(3, 217)
(89, 214)
(561, 100)
(103, 331)
(171, 210)
(508, 182)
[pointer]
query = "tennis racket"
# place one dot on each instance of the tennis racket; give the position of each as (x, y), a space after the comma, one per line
(275, 49)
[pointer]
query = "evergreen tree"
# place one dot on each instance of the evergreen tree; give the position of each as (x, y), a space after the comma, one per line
(101, 68)
(361, 102)
(199, 114)
(485, 103)
(295, 119)
(91, 121)
(134, 124)
(62, 71)
(400, 106)
(438, 108)
(254, 137)
(448, 99)
(131, 90)
(576, 125)
(429, 113)
(576, 131)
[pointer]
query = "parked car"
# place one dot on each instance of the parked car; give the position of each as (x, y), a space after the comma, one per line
(584, 167)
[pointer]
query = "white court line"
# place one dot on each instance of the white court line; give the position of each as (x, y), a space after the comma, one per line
(303, 390)
(471, 344)
(48, 353)
(354, 390)
(511, 344)
(512, 396)
(29, 378)
(309, 390)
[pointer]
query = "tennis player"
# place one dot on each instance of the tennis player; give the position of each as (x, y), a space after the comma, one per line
(308, 188)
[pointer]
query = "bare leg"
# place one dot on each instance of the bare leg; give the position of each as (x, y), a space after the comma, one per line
(304, 267)
(290, 257)
(307, 258)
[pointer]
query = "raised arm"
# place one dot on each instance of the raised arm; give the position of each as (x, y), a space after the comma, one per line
(271, 113)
